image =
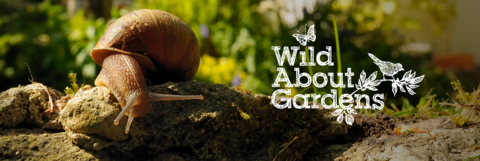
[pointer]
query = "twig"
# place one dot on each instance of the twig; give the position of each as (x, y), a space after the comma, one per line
(286, 146)
(31, 75)
(378, 144)
(394, 107)
(49, 99)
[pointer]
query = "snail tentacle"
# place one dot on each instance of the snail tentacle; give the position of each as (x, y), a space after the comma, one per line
(130, 102)
(168, 97)
(130, 120)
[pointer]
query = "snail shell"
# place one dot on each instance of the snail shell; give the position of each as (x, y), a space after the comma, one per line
(145, 45)
(162, 43)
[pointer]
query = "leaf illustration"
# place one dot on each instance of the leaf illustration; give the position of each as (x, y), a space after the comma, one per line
(351, 111)
(360, 86)
(413, 86)
(363, 76)
(412, 75)
(400, 87)
(410, 91)
(372, 88)
(417, 80)
(372, 77)
(349, 119)
(340, 119)
(376, 83)
(360, 83)
(394, 88)
(367, 82)
(364, 88)
(337, 112)
(406, 76)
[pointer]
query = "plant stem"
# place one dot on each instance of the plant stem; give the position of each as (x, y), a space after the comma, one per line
(353, 92)
(339, 62)
(307, 54)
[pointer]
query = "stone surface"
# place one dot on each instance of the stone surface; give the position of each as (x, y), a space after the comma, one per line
(92, 111)
(212, 128)
(26, 106)
(444, 142)
(33, 144)
(81, 127)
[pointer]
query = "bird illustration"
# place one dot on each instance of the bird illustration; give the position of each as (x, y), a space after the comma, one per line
(387, 68)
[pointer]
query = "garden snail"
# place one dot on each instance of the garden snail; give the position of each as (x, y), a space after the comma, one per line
(145, 45)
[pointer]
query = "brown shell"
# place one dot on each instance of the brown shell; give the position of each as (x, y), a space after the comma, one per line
(166, 48)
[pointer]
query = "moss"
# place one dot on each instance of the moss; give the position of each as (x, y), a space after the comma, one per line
(73, 82)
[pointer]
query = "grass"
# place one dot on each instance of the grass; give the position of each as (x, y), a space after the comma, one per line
(339, 61)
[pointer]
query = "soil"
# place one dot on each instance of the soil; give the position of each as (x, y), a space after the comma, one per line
(229, 124)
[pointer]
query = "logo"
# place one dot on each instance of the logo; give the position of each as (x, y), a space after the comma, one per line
(320, 80)
(310, 36)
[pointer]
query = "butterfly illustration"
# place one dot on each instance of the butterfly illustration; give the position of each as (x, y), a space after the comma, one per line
(310, 36)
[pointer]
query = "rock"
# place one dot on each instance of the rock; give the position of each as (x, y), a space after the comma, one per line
(212, 128)
(31, 144)
(92, 111)
(445, 142)
(26, 106)
(228, 124)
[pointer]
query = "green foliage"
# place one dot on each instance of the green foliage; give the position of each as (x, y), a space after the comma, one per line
(73, 82)
(244, 115)
(235, 40)
(465, 99)
(471, 158)
(427, 107)
(52, 44)
(467, 103)
(339, 60)
(440, 11)
(463, 111)
(235, 30)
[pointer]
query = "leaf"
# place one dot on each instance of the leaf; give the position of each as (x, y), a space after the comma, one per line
(340, 119)
(372, 76)
(372, 88)
(363, 88)
(401, 88)
(406, 76)
(362, 76)
(351, 111)
(349, 119)
(367, 82)
(337, 112)
(410, 91)
(376, 83)
(412, 86)
(69, 91)
(417, 80)
(412, 75)
(360, 84)
(394, 88)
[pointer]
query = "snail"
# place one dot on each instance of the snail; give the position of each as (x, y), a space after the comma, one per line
(145, 45)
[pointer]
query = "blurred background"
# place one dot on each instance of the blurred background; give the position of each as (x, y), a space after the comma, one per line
(436, 38)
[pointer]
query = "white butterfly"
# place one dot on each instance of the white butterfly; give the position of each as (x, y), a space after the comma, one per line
(310, 36)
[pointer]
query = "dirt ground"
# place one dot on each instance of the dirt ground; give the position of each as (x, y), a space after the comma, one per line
(229, 124)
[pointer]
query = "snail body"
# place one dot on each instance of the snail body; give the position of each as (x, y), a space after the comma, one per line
(145, 45)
